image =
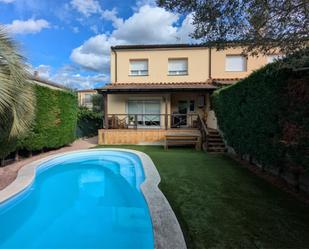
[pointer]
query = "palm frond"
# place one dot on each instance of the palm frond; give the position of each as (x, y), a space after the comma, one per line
(17, 99)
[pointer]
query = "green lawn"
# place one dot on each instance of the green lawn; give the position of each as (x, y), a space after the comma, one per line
(222, 205)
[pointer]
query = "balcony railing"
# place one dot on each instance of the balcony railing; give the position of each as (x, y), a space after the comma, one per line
(134, 121)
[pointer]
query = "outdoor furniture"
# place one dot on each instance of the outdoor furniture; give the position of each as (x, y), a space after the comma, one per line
(183, 138)
(114, 122)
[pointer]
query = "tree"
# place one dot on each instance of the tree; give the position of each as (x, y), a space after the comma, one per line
(260, 26)
(97, 103)
(17, 98)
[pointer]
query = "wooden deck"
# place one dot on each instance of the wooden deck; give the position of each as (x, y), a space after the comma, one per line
(139, 136)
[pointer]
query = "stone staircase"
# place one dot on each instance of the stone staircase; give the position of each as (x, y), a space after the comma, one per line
(215, 142)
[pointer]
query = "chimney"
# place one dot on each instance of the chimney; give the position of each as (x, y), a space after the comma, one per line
(36, 74)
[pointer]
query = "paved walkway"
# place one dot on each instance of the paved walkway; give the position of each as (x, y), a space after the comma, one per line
(8, 173)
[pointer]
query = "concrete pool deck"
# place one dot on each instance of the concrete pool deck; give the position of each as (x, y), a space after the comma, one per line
(8, 173)
(167, 231)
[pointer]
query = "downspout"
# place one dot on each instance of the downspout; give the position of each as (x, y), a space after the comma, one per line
(209, 62)
(113, 49)
(209, 77)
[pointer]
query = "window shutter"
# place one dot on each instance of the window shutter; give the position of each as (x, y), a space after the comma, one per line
(178, 66)
(139, 65)
(235, 63)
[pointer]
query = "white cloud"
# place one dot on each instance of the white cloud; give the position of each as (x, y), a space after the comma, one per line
(7, 1)
(111, 15)
(70, 76)
(28, 26)
(149, 25)
(140, 3)
(94, 53)
(78, 81)
(94, 29)
(186, 29)
(75, 30)
(86, 7)
(43, 71)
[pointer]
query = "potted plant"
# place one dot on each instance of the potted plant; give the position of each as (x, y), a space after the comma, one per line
(131, 120)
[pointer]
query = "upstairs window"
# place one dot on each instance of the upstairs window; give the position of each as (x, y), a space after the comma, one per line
(235, 63)
(88, 99)
(139, 67)
(178, 66)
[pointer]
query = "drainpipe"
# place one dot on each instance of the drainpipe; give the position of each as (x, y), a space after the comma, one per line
(113, 49)
(209, 77)
(209, 62)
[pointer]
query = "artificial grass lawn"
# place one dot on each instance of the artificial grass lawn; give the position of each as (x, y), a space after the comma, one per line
(221, 204)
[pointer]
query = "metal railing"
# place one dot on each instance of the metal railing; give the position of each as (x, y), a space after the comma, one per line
(134, 121)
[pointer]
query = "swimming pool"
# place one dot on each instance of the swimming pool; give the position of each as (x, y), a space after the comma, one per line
(89, 199)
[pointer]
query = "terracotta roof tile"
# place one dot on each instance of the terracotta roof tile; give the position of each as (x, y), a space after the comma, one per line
(158, 86)
(210, 84)
(223, 81)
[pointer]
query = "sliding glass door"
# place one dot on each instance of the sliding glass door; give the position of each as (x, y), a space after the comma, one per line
(147, 112)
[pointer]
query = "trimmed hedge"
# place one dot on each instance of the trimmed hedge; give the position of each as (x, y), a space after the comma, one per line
(54, 125)
(266, 116)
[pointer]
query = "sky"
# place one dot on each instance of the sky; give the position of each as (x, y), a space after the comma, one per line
(68, 41)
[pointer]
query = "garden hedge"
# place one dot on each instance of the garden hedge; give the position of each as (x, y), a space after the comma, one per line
(54, 125)
(266, 116)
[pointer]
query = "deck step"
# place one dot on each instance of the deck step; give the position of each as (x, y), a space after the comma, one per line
(214, 136)
(210, 145)
(216, 149)
(215, 142)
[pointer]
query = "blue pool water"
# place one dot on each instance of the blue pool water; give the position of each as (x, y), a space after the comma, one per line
(82, 200)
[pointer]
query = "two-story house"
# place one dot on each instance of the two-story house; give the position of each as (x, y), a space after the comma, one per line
(158, 88)
(85, 97)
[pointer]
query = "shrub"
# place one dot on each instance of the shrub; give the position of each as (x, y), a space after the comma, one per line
(54, 124)
(266, 115)
(88, 122)
(97, 103)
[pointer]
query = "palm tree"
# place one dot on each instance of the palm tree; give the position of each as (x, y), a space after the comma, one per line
(17, 98)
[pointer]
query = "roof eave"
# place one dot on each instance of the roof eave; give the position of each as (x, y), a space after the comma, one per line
(156, 90)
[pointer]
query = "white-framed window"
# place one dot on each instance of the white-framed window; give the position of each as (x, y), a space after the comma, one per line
(273, 57)
(88, 99)
(139, 67)
(235, 63)
(147, 112)
(178, 66)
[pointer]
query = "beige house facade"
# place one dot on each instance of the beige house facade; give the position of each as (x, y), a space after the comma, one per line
(85, 97)
(158, 88)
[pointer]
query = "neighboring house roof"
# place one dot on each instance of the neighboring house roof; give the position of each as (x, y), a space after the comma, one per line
(48, 83)
(157, 87)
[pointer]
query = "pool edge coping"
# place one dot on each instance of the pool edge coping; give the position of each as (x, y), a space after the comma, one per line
(167, 231)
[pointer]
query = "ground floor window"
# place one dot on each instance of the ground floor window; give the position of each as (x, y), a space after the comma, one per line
(147, 112)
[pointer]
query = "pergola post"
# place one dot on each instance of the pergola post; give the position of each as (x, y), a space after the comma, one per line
(166, 114)
(105, 98)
